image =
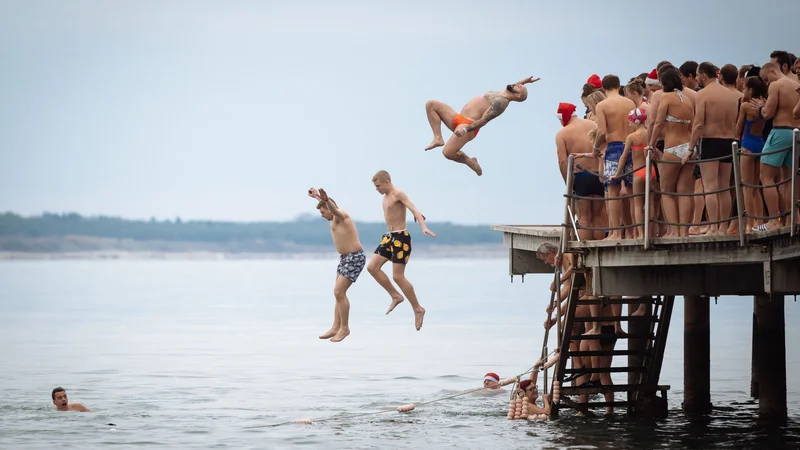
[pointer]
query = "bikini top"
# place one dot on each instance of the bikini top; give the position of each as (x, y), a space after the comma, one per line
(675, 119)
(638, 147)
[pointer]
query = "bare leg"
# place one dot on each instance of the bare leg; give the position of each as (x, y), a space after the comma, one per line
(711, 183)
(725, 198)
(769, 175)
(748, 164)
(786, 193)
(669, 203)
(628, 233)
(685, 185)
(343, 305)
(616, 310)
(452, 151)
(374, 269)
(438, 112)
(638, 205)
(599, 217)
(399, 275)
(583, 208)
(614, 211)
(699, 203)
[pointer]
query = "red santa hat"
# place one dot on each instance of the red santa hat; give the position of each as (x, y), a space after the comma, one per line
(595, 81)
(491, 376)
(524, 384)
(652, 78)
(565, 112)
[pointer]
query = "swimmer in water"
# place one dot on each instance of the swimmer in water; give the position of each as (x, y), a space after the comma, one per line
(491, 382)
(59, 396)
(474, 115)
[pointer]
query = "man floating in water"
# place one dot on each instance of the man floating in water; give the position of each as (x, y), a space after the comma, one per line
(396, 244)
(351, 261)
(59, 396)
(474, 115)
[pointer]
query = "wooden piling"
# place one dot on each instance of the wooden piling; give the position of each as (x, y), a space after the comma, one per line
(771, 362)
(696, 356)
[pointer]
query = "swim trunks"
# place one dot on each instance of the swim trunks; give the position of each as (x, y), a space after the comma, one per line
(780, 138)
(351, 265)
(611, 163)
(607, 335)
(395, 246)
(717, 148)
(587, 184)
(461, 120)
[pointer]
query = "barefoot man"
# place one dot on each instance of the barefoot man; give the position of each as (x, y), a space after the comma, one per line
(779, 106)
(571, 139)
(351, 261)
(59, 397)
(474, 115)
(396, 244)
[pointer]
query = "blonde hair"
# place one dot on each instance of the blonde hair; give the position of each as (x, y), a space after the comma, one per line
(382, 175)
(324, 205)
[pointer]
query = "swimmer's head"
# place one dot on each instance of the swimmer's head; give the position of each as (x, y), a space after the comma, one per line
(706, 73)
(782, 59)
(637, 117)
(652, 81)
(531, 390)
(547, 252)
(770, 72)
(728, 74)
(324, 211)
(517, 92)
(755, 87)
(382, 181)
(565, 112)
(610, 83)
(59, 396)
(593, 99)
(491, 380)
(634, 90)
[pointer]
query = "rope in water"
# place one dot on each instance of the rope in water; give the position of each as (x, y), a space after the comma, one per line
(404, 408)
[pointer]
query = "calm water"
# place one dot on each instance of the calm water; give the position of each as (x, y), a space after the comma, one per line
(186, 354)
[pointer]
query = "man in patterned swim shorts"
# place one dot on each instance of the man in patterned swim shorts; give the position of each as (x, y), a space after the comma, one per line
(395, 245)
(351, 261)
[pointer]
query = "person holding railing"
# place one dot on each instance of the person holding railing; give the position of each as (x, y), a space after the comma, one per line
(750, 128)
(675, 112)
(776, 159)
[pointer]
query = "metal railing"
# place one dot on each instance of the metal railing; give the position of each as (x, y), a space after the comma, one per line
(569, 225)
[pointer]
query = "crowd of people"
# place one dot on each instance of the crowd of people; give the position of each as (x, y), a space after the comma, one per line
(687, 119)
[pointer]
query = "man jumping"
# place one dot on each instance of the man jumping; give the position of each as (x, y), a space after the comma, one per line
(474, 115)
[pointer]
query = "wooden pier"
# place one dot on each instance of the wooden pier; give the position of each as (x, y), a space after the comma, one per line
(653, 271)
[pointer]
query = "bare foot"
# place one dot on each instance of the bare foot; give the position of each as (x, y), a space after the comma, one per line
(640, 311)
(330, 333)
(697, 231)
(436, 142)
(620, 332)
(396, 300)
(418, 316)
(592, 332)
(343, 333)
(475, 166)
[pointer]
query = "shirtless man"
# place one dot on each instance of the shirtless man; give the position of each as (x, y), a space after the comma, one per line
(396, 244)
(716, 110)
(59, 397)
(351, 261)
(784, 62)
(474, 115)
(783, 96)
(612, 127)
(571, 139)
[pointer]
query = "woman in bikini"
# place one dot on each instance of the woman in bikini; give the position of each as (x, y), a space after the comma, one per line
(750, 127)
(675, 113)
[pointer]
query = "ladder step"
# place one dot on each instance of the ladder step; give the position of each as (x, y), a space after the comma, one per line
(608, 370)
(592, 405)
(567, 390)
(608, 353)
(599, 336)
(620, 301)
(614, 319)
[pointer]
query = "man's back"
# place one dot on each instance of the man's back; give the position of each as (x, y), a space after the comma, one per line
(575, 137)
(614, 115)
(786, 91)
(721, 108)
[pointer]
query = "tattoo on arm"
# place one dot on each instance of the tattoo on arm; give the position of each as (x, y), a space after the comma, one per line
(497, 107)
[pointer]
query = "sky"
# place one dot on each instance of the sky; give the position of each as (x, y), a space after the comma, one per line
(231, 110)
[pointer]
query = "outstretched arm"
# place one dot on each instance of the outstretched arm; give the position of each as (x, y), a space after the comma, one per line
(528, 80)
(418, 217)
(497, 107)
(337, 213)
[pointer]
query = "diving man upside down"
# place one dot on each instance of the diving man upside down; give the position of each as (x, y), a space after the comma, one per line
(474, 115)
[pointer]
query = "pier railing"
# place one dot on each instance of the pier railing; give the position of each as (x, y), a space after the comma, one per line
(571, 228)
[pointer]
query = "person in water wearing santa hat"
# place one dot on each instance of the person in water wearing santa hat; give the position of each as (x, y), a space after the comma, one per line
(571, 140)
(491, 381)
(473, 116)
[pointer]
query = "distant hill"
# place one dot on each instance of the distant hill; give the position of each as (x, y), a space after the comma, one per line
(75, 233)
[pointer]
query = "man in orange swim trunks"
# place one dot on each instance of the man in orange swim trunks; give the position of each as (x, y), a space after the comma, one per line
(474, 115)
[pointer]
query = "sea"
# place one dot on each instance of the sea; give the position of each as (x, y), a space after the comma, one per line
(225, 354)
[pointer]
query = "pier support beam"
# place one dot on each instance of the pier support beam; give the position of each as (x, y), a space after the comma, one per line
(771, 360)
(696, 356)
(755, 353)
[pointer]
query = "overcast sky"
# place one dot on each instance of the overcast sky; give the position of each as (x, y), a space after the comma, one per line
(231, 110)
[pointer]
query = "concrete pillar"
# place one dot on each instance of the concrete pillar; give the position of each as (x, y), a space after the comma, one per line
(696, 356)
(771, 362)
(755, 353)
